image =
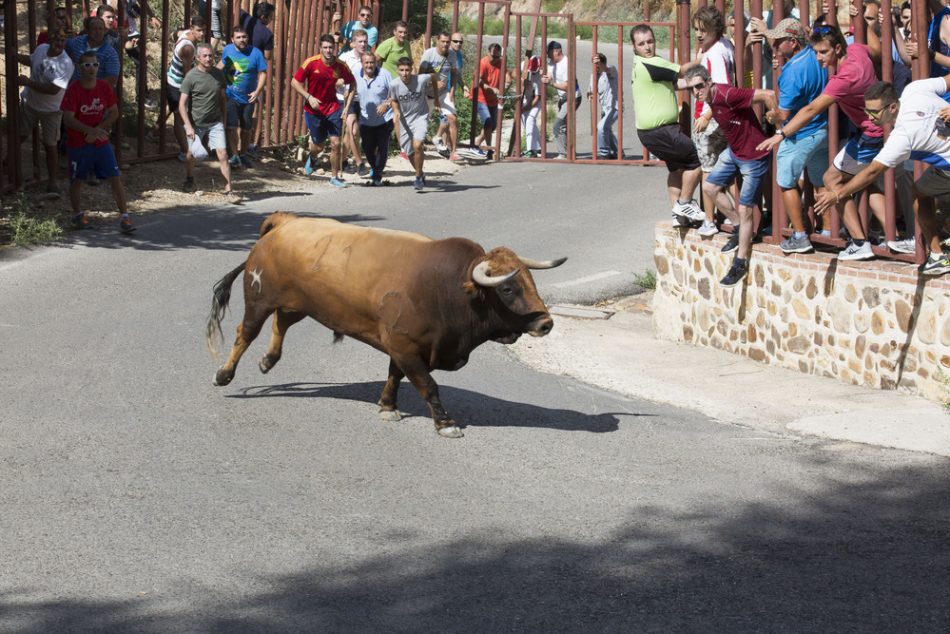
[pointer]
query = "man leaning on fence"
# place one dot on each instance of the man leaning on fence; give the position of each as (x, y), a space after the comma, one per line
(920, 131)
(557, 76)
(654, 81)
(50, 72)
(606, 75)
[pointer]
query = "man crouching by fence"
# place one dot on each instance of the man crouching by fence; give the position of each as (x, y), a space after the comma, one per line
(920, 131)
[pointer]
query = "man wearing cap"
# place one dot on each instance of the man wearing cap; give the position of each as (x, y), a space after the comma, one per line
(801, 82)
(654, 81)
(557, 76)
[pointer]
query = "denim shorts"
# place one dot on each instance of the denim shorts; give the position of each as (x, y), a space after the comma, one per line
(321, 127)
(799, 153)
(486, 114)
(753, 171)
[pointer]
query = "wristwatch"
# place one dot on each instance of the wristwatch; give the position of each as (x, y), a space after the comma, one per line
(780, 132)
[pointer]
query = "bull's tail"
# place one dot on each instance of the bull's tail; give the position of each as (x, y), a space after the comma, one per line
(219, 307)
(276, 219)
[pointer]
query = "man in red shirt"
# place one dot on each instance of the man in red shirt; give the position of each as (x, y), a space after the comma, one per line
(316, 81)
(89, 110)
(489, 89)
(732, 109)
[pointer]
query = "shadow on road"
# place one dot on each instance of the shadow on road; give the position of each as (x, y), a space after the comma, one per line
(467, 407)
(865, 554)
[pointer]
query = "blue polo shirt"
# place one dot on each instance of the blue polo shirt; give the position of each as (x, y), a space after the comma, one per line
(106, 55)
(373, 91)
(801, 82)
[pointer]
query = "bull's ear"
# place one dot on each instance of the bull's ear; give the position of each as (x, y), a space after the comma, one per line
(471, 288)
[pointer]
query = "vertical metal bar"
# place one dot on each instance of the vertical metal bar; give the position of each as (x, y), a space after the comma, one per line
(162, 92)
(14, 169)
(779, 216)
(141, 79)
(739, 17)
(35, 136)
(646, 11)
(504, 69)
(594, 102)
(544, 89)
(455, 16)
(210, 31)
(478, 66)
(405, 10)
(571, 99)
(519, 83)
(920, 70)
(119, 91)
(428, 40)
(887, 73)
(860, 35)
(619, 95)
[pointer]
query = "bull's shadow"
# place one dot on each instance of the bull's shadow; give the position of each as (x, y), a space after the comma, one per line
(467, 407)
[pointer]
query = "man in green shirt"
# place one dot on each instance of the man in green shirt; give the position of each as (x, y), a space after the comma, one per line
(654, 81)
(395, 48)
(203, 111)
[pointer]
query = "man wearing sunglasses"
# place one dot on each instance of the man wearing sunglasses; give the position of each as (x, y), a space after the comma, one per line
(731, 108)
(89, 110)
(364, 23)
(920, 131)
(846, 88)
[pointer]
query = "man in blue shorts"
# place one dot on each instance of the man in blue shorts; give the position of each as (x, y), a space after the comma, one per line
(732, 109)
(316, 81)
(802, 81)
(89, 110)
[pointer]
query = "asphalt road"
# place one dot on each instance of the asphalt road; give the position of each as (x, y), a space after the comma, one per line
(134, 496)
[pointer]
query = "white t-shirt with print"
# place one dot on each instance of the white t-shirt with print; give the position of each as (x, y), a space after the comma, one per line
(48, 70)
(720, 61)
(918, 132)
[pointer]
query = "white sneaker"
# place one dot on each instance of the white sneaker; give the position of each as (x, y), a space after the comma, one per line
(708, 229)
(855, 252)
(689, 210)
(439, 143)
(679, 222)
(903, 246)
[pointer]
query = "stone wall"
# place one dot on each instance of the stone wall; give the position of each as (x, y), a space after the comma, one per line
(875, 323)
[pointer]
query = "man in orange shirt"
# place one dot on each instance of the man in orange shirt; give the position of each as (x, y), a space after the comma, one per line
(315, 81)
(489, 89)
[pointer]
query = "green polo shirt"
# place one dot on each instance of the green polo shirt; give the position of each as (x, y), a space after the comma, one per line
(653, 81)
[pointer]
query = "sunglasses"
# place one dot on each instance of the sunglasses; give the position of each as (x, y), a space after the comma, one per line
(698, 86)
(89, 64)
(875, 114)
(823, 29)
(457, 41)
(366, 15)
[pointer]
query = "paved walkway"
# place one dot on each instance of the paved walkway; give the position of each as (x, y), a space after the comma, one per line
(620, 354)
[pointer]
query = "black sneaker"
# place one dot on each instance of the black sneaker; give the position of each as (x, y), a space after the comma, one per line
(189, 185)
(734, 276)
(732, 243)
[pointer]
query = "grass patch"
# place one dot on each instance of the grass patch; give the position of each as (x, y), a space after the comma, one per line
(29, 231)
(646, 280)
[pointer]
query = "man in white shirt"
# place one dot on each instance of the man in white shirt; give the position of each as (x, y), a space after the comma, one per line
(351, 124)
(50, 71)
(557, 76)
(920, 129)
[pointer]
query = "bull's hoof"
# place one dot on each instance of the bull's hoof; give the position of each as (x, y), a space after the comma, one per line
(390, 415)
(452, 431)
(267, 363)
(223, 377)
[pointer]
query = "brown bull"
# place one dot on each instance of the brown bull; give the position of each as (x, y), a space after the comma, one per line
(426, 303)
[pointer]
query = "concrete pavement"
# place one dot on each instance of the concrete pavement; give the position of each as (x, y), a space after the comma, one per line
(612, 347)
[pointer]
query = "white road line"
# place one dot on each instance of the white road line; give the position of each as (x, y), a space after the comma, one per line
(585, 280)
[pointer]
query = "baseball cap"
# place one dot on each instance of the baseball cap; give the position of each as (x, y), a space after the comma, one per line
(554, 46)
(789, 27)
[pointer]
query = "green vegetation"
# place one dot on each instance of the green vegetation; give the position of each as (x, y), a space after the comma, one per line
(28, 230)
(646, 280)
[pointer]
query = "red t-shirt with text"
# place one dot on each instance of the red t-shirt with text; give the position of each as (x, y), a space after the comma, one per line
(89, 106)
(732, 110)
(320, 81)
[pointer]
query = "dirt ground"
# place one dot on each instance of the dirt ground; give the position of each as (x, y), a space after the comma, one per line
(155, 186)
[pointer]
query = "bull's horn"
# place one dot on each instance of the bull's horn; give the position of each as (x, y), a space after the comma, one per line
(482, 278)
(542, 264)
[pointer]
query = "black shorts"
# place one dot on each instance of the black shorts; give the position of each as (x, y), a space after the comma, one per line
(240, 115)
(173, 95)
(669, 144)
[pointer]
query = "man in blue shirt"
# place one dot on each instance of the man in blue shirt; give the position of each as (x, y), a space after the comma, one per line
(801, 82)
(95, 40)
(364, 23)
(244, 68)
(376, 114)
